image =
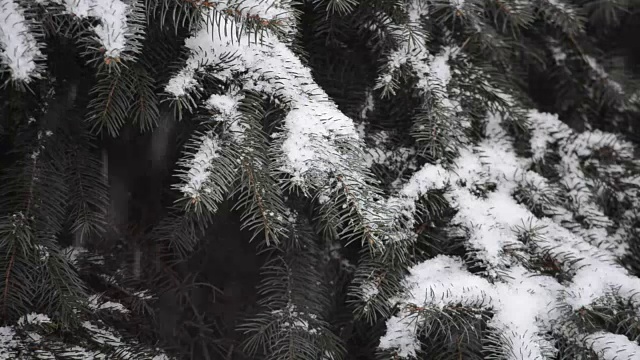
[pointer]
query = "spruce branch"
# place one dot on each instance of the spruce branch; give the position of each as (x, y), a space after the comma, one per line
(144, 107)
(20, 44)
(340, 7)
(605, 12)
(117, 35)
(258, 192)
(418, 231)
(290, 324)
(33, 202)
(112, 99)
(510, 16)
(88, 203)
(204, 188)
(562, 15)
(16, 243)
(178, 13)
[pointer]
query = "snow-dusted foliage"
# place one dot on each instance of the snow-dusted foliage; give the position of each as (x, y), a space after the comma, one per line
(115, 36)
(118, 30)
(19, 47)
(519, 220)
(529, 307)
(319, 145)
(330, 179)
(313, 126)
(525, 220)
(34, 337)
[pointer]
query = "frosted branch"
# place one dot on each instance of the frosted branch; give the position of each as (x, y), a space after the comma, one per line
(119, 30)
(547, 129)
(613, 347)
(19, 48)
(313, 127)
(490, 221)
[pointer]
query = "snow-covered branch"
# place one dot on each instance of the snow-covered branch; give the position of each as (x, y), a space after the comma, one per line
(313, 127)
(19, 48)
(492, 222)
(120, 25)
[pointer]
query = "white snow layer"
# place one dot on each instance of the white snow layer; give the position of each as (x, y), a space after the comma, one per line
(34, 318)
(547, 129)
(525, 305)
(95, 303)
(314, 125)
(7, 342)
(200, 166)
(227, 108)
(19, 49)
(611, 346)
(114, 32)
(14, 344)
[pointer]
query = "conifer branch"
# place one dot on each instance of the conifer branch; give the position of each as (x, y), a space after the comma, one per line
(109, 108)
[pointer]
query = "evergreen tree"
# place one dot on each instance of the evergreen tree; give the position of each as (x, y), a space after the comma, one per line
(319, 179)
